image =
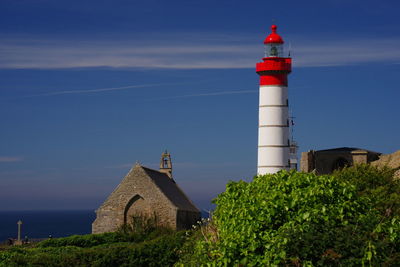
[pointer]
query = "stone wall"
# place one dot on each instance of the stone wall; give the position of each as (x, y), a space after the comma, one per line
(359, 156)
(389, 160)
(326, 161)
(307, 161)
(136, 193)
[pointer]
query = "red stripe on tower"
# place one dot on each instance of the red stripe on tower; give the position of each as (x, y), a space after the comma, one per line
(274, 79)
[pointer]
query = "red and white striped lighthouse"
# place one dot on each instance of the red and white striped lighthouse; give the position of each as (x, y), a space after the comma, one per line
(273, 126)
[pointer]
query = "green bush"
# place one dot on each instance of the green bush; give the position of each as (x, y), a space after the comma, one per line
(161, 251)
(142, 243)
(85, 241)
(376, 183)
(292, 218)
(144, 228)
(141, 229)
(190, 254)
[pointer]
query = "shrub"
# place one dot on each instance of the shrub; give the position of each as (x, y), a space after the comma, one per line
(292, 218)
(144, 227)
(376, 183)
(190, 254)
(161, 251)
(85, 241)
(142, 243)
(141, 229)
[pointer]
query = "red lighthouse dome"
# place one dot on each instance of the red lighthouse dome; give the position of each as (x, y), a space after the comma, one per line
(273, 38)
(275, 66)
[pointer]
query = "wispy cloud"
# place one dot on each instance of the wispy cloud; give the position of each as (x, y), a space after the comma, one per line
(351, 52)
(185, 51)
(174, 52)
(11, 159)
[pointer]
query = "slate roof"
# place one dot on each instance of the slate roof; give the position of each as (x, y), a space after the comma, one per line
(170, 189)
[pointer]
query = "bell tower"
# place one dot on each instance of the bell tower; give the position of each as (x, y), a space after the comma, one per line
(166, 164)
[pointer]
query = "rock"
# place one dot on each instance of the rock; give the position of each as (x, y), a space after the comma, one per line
(389, 160)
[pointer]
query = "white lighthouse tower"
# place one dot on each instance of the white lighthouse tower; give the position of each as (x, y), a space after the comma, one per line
(273, 126)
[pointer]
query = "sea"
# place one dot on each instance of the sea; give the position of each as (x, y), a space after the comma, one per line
(42, 224)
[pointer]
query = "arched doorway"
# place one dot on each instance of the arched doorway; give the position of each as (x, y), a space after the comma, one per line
(340, 163)
(133, 206)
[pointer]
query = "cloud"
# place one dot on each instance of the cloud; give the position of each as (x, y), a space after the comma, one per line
(185, 51)
(11, 159)
(351, 52)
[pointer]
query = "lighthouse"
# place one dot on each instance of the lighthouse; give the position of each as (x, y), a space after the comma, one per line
(273, 116)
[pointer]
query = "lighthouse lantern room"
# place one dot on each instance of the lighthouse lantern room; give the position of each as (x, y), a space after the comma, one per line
(273, 128)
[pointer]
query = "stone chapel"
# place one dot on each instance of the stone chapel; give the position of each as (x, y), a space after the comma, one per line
(147, 192)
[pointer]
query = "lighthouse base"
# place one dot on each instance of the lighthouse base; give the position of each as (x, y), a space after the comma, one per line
(269, 170)
(272, 159)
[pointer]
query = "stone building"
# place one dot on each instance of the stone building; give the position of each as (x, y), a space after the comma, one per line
(326, 161)
(146, 192)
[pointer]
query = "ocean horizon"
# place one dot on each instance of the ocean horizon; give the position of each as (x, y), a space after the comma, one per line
(43, 223)
(37, 224)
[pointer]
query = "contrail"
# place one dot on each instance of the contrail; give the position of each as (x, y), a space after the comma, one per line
(207, 94)
(90, 91)
(11, 159)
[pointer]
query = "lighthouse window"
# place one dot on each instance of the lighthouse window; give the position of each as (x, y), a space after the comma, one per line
(273, 50)
(287, 102)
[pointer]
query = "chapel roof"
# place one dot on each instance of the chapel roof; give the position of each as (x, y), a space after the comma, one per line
(170, 189)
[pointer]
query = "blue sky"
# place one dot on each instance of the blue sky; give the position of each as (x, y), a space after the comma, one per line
(87, 88)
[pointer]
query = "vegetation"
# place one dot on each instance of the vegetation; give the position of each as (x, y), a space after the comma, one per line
(139, 230)
(349, 218)
(160, 251)
(140, 244)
